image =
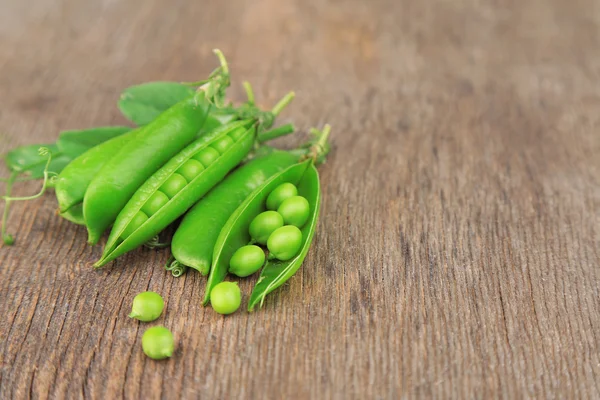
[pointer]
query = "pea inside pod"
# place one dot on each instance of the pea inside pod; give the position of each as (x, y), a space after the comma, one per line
(246, 261)
(284, 242)
(294, 211)
(281, 193)
(263, 225)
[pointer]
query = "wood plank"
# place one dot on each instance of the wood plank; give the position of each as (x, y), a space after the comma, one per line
(457, 250)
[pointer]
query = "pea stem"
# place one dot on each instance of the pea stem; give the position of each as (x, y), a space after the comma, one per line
(7, 238)
(249, 92)
(275, 133)
(283, 103)
(222, 60)
(20, 179)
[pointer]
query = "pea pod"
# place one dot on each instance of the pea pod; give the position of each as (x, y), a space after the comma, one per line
(235, 232)
(175, 187)
(74, 180)
(194, 240)
(275, 273)
(153, 145)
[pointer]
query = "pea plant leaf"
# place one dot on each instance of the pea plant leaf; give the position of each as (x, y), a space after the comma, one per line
(76, 142)
(70, 144)
(27, 160)
(143, 103)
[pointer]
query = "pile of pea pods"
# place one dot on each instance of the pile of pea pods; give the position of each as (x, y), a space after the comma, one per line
(196, 166)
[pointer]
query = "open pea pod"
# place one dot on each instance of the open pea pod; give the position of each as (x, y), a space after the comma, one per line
(176, 186)
(275, 273)
(235, 232)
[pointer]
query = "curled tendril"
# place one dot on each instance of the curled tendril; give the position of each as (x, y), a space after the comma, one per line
(177, 269)
(155, 243)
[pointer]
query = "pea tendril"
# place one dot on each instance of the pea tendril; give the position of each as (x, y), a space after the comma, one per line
(155, 243)
(177, 269)
(7, 238)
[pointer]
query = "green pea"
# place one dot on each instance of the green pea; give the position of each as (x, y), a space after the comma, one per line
(158, 343)
(173, 185)
(207, 156)
(190, 169)
(246, 260)
(264, 224)
(147, 306)
(222, 144)
(155, 203)
(279, 194)
(285, 242)
(237, 133)
(226, 297)
(138, 219)
(294, 211)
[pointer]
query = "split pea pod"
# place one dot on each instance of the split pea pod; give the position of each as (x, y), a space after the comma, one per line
(153, 145)
(195, 238)
(175, 187)
(74, 180)
(275, 272)
(235, 233)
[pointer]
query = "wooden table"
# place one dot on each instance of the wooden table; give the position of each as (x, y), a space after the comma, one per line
(457, 254)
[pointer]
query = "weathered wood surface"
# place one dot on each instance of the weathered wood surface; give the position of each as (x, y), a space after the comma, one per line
(457, 254)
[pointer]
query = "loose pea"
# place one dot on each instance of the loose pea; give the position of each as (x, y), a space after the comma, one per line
(246, 260)
(264, 224)
(207, 156)
(147, 306)
(158, 343)
(190, 169)
(173, 185)
(226, 297)
(294, 211)
(285, 242)
(279, 194)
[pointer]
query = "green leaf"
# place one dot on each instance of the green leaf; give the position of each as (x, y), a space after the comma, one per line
(143, 103)
(76, 142)
(26, 159)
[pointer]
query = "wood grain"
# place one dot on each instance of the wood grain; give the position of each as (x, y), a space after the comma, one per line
(457, 254)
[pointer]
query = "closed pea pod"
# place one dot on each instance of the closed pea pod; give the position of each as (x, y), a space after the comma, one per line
(153, 145)
(194, 241)
(74, 180)
(133, 226)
